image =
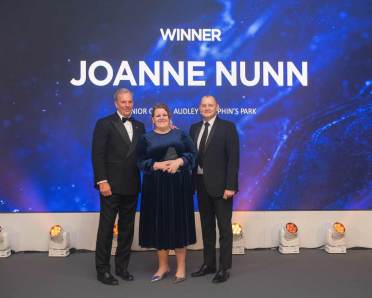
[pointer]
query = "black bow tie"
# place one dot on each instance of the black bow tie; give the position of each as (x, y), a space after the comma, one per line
(126, 119)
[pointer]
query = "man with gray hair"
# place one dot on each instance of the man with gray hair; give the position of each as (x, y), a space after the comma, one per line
(117, 178)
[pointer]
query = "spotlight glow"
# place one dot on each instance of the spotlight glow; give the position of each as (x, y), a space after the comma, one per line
(55, 231)
(237, 229)
(291, 228)
(339, 228)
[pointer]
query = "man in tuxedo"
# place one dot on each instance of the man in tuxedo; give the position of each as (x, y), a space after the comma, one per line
(117, 178)
(216, 180)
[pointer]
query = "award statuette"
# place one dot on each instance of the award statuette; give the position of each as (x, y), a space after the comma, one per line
(171, 154)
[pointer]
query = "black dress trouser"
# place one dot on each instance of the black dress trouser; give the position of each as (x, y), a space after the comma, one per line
(125, 206)
(211, 208)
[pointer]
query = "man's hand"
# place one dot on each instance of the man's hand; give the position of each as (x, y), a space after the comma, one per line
(174, 165)
(105, 189)
(161, 165)
(228, 194)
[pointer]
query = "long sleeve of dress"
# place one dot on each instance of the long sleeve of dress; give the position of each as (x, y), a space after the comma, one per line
(144, 162)
(190, 153)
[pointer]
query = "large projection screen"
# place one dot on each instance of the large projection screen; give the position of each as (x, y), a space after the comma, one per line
(295, 77)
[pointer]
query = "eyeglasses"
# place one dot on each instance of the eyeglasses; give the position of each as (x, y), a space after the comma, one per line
(159, 116)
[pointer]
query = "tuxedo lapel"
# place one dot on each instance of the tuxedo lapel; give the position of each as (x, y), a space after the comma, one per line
(197, 132)
(121, 129)
(135, 137)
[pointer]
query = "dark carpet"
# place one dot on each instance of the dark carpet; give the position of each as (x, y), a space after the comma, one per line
(259, 273)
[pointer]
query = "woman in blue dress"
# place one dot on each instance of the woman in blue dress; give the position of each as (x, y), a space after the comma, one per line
(166, 156)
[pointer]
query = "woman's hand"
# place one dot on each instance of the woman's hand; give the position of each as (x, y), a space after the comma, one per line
(161, 165)
(173, 165)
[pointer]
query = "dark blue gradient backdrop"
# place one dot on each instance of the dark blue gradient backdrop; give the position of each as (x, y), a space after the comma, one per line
(305, 148)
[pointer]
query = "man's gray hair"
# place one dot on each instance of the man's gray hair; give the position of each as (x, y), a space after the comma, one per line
(121, 90)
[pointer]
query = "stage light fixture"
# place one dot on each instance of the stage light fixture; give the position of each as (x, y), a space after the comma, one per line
(336, 238)
(4, 244)
(238, 239)
(289, 240)
(115, 233)
(59, 242)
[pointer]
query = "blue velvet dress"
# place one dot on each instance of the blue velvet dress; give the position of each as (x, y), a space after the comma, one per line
(167, 210)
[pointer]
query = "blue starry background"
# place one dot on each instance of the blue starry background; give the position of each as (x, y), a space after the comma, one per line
(306, 148)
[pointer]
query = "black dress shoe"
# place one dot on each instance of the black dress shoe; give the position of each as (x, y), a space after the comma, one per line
(107, 278)
(125, 275)
(221, 276)
(204, 270)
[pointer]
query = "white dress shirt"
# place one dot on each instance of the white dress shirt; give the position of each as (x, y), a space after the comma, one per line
(211, 122)
(128, 126)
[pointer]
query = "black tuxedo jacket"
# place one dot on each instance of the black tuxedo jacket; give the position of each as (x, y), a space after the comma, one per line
(114, 155)
(221, 157)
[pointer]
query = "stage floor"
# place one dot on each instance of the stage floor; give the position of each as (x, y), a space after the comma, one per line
(259, 273)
